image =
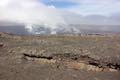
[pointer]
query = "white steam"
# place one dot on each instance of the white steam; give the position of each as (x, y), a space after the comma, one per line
(39, 18)
(30, 12)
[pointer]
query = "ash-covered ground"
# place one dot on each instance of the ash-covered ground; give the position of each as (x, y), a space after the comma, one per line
(59, 57)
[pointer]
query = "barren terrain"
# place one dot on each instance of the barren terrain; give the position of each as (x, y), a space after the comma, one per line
(59, 57)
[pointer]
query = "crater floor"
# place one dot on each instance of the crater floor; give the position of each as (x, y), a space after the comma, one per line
(59, 57)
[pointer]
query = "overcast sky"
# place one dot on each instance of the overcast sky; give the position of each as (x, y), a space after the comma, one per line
(60, 12)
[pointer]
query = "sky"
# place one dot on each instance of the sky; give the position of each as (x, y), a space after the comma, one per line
(55, 13)
(86, 7)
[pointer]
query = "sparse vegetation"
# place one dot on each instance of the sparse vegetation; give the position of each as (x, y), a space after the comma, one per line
(61, 52)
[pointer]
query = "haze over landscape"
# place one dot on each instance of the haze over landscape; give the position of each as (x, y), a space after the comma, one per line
(59, 39)
(59, 16)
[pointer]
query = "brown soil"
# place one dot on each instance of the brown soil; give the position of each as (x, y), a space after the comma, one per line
(59, 57)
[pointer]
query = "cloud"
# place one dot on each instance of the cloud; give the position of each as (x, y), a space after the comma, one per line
(87, 7)
(38, 16)
(59, 4)
(30, 12)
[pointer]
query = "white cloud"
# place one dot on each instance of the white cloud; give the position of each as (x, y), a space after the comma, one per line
(93, 12)
(88, 12)
(30, 12)
(86, 7)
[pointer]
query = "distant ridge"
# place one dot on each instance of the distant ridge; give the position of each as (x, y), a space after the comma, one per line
(18, 28)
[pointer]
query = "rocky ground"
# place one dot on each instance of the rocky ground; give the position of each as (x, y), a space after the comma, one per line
(59, 57)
